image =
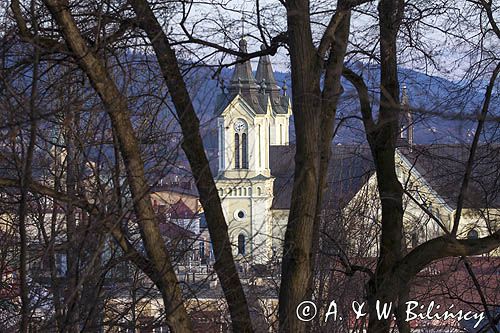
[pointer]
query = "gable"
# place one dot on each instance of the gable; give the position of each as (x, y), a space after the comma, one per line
(253, 102)
(239, 107)
(443, 168)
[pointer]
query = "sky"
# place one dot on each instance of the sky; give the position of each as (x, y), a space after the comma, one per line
(445, 43)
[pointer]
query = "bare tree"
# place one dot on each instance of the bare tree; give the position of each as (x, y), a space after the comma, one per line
(89, 34)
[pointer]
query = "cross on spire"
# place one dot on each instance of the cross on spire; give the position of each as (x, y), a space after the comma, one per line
(242, 23)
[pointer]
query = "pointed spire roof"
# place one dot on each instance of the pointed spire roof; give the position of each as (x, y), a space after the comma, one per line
(404, 97)
(265, 72)
(259, 95)
(242, 76)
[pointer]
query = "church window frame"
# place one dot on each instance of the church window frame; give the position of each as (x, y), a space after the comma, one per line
(260, 148)
(240, 214)
(242, 244)
(240, 144)
(281, 134)
(236, 151)
(244, 151)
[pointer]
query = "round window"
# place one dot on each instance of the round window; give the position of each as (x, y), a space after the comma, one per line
(239, 214)
(473, 234)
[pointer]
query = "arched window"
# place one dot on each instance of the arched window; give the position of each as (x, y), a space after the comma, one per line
(244, 149)
(202, 249)
(236, 150)
(260, 149)
(240, 144)
(241, 244)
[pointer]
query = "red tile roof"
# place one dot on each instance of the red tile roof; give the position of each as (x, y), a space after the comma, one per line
(180, 210)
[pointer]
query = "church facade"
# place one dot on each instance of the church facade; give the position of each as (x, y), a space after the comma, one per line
(255, 166)
(253, 115)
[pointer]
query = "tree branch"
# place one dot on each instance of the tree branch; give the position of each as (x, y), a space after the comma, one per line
(138, 259)
(364, 98)
(442, 247)
(473, 148)
(28, 36)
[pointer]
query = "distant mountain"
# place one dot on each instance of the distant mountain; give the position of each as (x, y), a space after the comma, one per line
(443, 111)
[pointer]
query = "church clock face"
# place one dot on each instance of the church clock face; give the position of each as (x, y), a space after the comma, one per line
(239, 126)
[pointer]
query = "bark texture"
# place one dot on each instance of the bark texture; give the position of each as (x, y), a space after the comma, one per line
(395, 269)
(314, 112)
(193, 147)
(116, 105)
(382, 142)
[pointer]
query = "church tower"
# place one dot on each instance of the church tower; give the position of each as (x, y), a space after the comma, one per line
(252, 114)
(406, 120)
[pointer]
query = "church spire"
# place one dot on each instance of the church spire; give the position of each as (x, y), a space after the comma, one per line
(265, 72)
(242, 78)
(404, 97)
(406, 118)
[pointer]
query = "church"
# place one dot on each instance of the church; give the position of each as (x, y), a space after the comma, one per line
(254, 177)
(253, 116)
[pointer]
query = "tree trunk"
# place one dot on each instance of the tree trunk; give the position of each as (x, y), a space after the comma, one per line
(297, 260)
(384, 285)
(193, 147)
(72, 292)
(116, 106)
(314, 113)
(329, 100)
(25, 181)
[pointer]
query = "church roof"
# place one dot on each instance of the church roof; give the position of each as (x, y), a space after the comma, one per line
(175, 232)
(265, 73)
(350, 168)
(242, 75)
(440, 166)
(257, 101)
(443, 167)
(256, 92)
(180, 210)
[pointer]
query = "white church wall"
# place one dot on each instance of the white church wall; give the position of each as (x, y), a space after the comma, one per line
(363, 213)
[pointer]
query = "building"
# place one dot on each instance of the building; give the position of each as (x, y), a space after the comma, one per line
(255, 164)
(254, 174)
(252, 117)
